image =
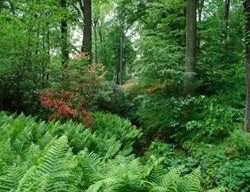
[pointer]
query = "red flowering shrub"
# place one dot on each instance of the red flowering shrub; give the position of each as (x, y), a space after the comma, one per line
(78, 93)
(63, 106)
(87, 81)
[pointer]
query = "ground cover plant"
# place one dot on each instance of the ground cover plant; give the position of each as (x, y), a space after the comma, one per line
(39, 156)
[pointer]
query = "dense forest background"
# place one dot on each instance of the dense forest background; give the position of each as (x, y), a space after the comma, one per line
(125, 95)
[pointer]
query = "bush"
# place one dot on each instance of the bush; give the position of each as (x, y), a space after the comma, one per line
(119, 102)
(222, 165)
(163, 116)
(65, 105)
(240, 141)
(79, 93)
(214, 120)
(173, 157)
(235, 174)
(86, 81)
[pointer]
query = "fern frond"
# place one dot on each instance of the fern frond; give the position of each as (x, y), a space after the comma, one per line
(10, 179)
(219, 189)
(191, 182)
(89, 163)
(55, 170)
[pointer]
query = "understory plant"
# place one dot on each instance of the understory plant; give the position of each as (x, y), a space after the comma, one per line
(82, 87)
(214, 121)
(50, 157)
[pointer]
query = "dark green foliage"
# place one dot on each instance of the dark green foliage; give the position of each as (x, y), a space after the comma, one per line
(240, 141)
(220, 62)
(236, 174)
(225, 164)
(163, 116)
(160, 45)
(120, 102)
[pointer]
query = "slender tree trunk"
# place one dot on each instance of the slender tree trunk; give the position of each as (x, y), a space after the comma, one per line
(247, 40)
(200, 9)
(120, 75)
(103, 45)
(48, 51)
(226, 17)
(64, 37)
(95, 39)
(191, 47)
(87, 32)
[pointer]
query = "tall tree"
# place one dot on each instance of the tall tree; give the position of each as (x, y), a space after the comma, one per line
(247, 41)
(226, 17)
(87, 32)
(95, 23)
(200, 9)
(120, 67)
(191, 47)
(64, 36)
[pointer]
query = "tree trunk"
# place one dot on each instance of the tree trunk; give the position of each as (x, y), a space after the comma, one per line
(87, 32)
(64, 37)
(247, 40)
(200, 9)
(103, 50)
(121, 60)
(95, 39)
(226, 17)
(120, 66)
(191, 47)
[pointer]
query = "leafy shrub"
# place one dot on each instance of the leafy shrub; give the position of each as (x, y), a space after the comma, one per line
(65, 105)
(214, 121)
(86, 81)
(119, 102)
(222, 165)
(162, 115)
(18, 95)
(235, 174)
(172, 158)
(79, 92)
(240, 141)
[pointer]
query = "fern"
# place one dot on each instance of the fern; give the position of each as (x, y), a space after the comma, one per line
(9, 181)
(191, 182)
(220, 189)
(51, 157)
(54, 170)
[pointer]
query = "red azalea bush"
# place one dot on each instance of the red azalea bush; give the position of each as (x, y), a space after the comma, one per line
(79, 92)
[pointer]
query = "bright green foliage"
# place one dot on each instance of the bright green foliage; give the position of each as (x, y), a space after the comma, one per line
(39, 156)
(29, 32)
(215, 122)
(160, 45)
(220, 62)
(111, 124)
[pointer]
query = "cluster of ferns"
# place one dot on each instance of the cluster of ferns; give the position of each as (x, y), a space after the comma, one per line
(38, 156)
